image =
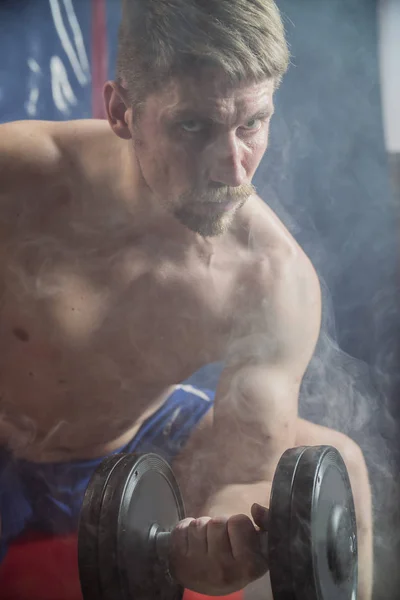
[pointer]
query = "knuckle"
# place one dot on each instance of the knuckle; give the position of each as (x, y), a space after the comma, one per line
(179, 536)
(217, 530)
(219, 522)
(239, 520)
(183, 525)
(239, 524)
(201, 522)
(198, 525)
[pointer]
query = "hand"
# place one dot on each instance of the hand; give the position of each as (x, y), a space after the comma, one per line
(221, 555)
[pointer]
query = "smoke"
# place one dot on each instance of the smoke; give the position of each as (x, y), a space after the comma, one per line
(345, 393)
(348, 395)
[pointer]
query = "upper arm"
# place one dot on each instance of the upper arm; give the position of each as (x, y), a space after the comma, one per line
(295, 315)
(28, 156)
(255, 412)
(279, 328)
(257, 396)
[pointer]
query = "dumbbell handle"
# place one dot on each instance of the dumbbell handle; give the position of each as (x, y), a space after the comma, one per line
(162, 541)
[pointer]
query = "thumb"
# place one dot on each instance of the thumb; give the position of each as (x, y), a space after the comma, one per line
(260, 516)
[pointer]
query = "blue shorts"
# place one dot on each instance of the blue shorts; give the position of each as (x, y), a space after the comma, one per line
(48, 497)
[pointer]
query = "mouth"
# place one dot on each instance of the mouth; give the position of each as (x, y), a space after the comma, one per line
(218, 207)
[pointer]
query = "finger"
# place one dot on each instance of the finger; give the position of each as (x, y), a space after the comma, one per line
(260, 516)
(197, 537)
(218, 538)
(180, 538)
(242, 535)
(246, 547)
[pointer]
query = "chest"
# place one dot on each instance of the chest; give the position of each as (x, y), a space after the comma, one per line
(147, 312)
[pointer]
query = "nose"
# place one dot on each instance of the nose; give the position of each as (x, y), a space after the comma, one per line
(225, 158)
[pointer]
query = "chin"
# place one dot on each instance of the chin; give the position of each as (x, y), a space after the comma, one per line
(213, 230)
(205, 224)
(206, 227)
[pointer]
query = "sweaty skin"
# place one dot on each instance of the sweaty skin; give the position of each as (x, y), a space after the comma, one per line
(118, 281)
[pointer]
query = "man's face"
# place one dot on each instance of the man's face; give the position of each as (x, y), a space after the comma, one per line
(198, 144)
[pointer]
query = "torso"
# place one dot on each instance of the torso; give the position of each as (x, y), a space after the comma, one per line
(95, 330)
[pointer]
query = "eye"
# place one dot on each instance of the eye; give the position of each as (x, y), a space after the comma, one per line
(192, 126)
(253, 124)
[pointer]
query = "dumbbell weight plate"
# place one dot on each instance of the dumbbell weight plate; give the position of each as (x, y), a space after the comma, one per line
(312, 544)
(312, 540)
(126, 496)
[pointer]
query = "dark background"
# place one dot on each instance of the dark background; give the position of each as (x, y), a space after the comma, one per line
(327, 176)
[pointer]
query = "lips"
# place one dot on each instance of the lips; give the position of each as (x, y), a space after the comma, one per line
(217, 204)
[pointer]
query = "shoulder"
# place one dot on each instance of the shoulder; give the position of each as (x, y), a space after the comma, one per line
(280, 294)
(26, 148)
(38, 156)
(43, 148)
(280, 265)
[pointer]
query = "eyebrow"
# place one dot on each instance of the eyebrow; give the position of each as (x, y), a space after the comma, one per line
(263, 112)
(189, 114)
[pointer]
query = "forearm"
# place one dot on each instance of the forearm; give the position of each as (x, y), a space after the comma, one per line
(366, 564)
(255, 421)
(212, 496)
(217, 478)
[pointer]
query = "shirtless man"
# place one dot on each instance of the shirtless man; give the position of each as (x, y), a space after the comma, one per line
(135, 251)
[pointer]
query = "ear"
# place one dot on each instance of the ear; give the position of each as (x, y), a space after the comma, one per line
(117, 110)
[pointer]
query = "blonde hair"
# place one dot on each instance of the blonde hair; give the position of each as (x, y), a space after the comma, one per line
(163, 39)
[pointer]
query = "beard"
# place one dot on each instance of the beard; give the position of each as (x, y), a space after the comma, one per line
(206, 213)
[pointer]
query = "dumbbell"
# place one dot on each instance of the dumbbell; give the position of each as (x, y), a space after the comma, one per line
(133, 502)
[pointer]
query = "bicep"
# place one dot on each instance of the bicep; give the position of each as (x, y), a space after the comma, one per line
(257, 396)
(258, 400)
(280, 330)
(255, 417)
